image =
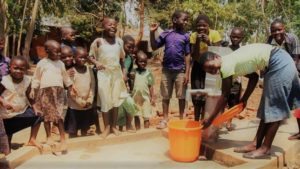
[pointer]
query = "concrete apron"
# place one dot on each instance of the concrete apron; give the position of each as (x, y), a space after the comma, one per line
(221, 152)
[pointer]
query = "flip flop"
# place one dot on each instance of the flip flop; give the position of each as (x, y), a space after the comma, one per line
(252, 155)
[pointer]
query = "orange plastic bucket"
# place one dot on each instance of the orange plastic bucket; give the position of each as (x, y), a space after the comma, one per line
(185, 140)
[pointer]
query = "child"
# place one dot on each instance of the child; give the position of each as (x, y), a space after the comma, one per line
(176, 62)
(4, 61)
(112, 90)
(15, 107)
(200, 40)
(143, 90)
(80, 107)
(281, 89)
(127, 109)
(236, 37)
(49, 80)
(290, 43)
(68, 38)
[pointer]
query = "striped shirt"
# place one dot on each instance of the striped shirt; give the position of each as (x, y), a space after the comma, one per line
(247, 59)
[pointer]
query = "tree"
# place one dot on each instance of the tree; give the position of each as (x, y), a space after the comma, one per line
(31, 29)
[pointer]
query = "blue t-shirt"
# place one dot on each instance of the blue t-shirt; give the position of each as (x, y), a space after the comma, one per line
(177, 46)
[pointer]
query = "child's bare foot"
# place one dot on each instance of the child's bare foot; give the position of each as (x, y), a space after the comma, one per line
(54, 130)
(295, 137)
(245, 149)
(146, 124)
(106, 132)
(35, 144)
(261, 153)
(116, 131)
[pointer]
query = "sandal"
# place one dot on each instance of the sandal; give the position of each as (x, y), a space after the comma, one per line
(162, 124)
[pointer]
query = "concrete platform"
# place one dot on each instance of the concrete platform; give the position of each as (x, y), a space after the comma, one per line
(149, 149)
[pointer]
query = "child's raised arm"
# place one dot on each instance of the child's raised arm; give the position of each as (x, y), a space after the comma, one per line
(153, 28)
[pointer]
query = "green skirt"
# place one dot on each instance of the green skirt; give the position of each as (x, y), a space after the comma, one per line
(127, 107)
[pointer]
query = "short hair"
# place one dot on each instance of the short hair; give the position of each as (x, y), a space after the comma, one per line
(277, 21)
(140, 53)
(127, 38)
(21, 58)
(65, 30)
(106, 18)
(205, 57)
(204, 18)
(80, 49)
(177, 14)
(67, 48)
(238, 28)
(48, 43)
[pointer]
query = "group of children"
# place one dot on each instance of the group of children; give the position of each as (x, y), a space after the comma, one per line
(107, 77)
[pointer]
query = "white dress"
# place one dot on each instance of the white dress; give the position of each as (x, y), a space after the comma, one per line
(111, 87)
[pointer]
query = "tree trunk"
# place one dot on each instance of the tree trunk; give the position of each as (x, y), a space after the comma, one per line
(31, 29)
(21, 29)
(13, 48)
(142, 20)
(3, 25)
(265, 20)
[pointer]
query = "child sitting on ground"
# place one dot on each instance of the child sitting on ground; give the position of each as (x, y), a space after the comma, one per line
(80, 106)
(15, 106)
(143, 90)
(48, 83)
(200, 40)
(236, 37)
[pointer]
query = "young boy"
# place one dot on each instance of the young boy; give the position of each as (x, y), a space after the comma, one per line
(176, 62)
(236, 37)
(68, 38)
(290, 43)
(14, 103)
(280, 94)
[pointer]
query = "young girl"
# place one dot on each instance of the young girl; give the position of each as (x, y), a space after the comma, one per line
(128, 109)
(280, 94)
(80, 108)
(200, 40)
(109, 53)
(49, 80)
(15, 107)
(143, 90)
